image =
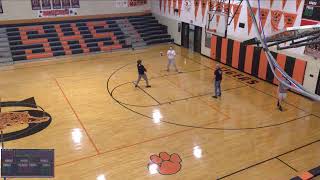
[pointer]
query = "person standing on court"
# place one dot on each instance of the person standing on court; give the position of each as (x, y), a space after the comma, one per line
(171, 59)
(282, 92)
(217, 81)
(142, 74)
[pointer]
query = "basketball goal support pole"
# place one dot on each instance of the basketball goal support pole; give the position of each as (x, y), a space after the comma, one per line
(226, 30)
(275, 66)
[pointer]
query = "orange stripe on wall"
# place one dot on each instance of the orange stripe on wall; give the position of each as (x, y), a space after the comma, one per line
(249, 58)
(263, 65)
(213, 47)
(224, 48)
(281, 59)
(299, 70)
(235, 54)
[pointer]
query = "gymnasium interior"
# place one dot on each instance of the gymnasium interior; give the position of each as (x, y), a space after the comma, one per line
(71, 107)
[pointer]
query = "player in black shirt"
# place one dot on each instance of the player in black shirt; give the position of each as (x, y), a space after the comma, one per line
(217, 81)
(141, 72)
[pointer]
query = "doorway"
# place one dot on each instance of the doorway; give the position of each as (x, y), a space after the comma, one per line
(185, 35)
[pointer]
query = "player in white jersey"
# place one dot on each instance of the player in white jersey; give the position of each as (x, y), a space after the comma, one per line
(171, 59)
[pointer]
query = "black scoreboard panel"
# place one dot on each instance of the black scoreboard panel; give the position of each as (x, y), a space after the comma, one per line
(311, 10)
(27, 163)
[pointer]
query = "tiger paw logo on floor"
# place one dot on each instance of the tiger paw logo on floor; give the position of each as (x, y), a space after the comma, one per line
(165, 164)
(23, 122)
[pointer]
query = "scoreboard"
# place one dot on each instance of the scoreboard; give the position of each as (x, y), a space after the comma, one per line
(27, 163)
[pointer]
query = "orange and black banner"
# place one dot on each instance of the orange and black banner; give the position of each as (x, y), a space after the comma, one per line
(253, 60)
(35, 5)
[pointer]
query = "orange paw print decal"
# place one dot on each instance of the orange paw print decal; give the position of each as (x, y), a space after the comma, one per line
(165, 164)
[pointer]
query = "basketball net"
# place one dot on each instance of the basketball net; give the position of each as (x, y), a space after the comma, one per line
(274, 66)
(215, 10)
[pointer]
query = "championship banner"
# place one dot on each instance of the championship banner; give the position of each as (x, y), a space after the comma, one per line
(66, 4)
(35, 4)
(275, 19)
(57, 12)
(289, 19)
(236, 15)
(250, 19)
(311, 13)
(164, 6)
(132, 3)
(56, 4)
(311, 16)
(121, 3)
(46, 4)
(75, 4)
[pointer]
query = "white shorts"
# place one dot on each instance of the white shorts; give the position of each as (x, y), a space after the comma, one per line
(282, 95)
(171, 61)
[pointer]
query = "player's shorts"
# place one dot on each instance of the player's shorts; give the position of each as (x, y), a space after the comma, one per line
(282, 95)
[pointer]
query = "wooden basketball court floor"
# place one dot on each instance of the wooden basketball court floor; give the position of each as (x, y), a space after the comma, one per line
(104, 128)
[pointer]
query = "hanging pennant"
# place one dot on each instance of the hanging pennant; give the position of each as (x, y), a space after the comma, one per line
(174, 4)
(160, 5)
(211, 5)
(271, 3)
(236, 11)
(204, 7)
(164, 6)
(289, 19)
(250, 19)
(219, 6)
(196, 7)
(275, 19)
(217, 19)
(298, 2)
(226, 8)
(284, 3)
(169, 5)
(264, 15)
(179, 6)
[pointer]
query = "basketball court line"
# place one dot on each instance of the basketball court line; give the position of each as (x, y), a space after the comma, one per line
(184, 125)
(275, 157)
(287, 164)
(246, 83)
(148, 94)
(77, 117)
(134, 144)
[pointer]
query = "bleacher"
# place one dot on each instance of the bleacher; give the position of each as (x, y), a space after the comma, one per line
(50, 39)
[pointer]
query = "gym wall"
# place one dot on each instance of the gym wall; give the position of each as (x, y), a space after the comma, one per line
(198, 18)
(21, 9)
(173, 27)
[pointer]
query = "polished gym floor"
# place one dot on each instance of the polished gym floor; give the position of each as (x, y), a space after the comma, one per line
(104, 128)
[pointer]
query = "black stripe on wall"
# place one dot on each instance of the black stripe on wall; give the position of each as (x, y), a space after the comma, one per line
(229, 52)
(242, 56)
(270, 75)
(289, 66)
(256, 61)
(218, 48)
